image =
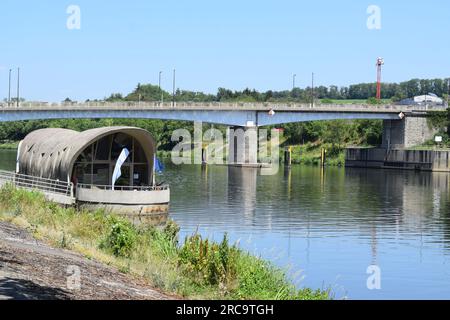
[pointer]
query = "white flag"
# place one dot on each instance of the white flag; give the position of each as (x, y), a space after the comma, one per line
(117, 172)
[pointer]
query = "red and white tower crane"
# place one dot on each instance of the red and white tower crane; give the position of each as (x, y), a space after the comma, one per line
(380, 63)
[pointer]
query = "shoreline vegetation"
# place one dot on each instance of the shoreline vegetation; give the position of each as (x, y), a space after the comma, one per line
(9, 145)
(195, 268)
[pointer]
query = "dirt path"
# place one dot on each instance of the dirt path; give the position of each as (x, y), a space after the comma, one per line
(31, 270)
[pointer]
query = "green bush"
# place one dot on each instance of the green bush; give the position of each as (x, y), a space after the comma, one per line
(121, 238)
(163, 241)
(373, 100)
(211, 263)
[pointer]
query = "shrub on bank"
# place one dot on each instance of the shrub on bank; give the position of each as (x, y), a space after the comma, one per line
(121, 238)
(310, 154)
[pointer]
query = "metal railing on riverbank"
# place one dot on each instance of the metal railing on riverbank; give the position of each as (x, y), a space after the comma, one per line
(123, 188)
(37, 183)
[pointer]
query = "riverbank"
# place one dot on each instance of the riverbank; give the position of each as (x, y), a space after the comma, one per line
(310, 154)
(32, 270)
(196, 268)
(9, 145)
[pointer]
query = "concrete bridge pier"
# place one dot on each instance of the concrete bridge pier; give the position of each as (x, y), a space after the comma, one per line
(407, 132)
(243, 146)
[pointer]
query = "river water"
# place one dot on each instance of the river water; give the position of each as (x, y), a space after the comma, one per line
(325, 226)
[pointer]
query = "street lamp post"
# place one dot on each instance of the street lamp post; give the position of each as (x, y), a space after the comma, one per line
(312, 90)
(159, 85)
(448, 92)
(9, 88)
(18, 86)
(173, 92)
(293, 81)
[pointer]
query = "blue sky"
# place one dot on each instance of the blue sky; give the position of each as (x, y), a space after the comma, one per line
(232, 44)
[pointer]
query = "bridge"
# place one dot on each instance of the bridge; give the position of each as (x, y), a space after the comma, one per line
(403, 125)
(236, 114)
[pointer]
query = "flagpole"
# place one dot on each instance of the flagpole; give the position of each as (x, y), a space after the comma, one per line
(154, 169)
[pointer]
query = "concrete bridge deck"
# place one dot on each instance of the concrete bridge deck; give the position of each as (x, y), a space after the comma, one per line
(232, 114)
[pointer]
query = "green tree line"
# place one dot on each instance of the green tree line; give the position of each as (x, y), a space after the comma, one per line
(364, 91)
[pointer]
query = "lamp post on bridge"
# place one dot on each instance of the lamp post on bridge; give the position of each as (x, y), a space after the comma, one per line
(448, 92)
(173, 92)
(9, 88)
(18, 87)
(159, 85)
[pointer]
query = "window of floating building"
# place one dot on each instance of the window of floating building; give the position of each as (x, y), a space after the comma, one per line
(119, 142)
(140, 175)
(101, 174)
(86, 155)
(125, 178)
(102, 148)
(82, 172)
(98, 169)
(139, 154)
(140, 165)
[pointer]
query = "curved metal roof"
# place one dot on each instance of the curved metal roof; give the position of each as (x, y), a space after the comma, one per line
(52, 152)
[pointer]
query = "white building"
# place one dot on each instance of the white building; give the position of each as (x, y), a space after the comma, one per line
(430, 99)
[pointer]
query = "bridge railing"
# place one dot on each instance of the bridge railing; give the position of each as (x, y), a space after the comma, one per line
(218, 105)
(37, 183)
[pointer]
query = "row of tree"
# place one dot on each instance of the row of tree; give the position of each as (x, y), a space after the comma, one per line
(339, 132)
(393, 91)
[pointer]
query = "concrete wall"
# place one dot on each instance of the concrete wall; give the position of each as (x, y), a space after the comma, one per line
(406, 133)
(138, 197)
(365, 157)
(243, 145)
(425, 160)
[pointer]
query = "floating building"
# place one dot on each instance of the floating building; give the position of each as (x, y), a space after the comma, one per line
(110, 167)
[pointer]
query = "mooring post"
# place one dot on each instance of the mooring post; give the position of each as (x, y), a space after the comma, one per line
(204, 157)
(323, 157)
(288, 156)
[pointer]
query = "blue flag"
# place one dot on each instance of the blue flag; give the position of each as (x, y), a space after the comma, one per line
(159, 167)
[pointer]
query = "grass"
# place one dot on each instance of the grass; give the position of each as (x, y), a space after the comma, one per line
(432, 145)
(310, 154)
(9, 145)
(196, 268)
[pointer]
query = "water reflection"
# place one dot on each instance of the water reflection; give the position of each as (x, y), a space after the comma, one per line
(242, 190)
(8, 160)
(330, 223)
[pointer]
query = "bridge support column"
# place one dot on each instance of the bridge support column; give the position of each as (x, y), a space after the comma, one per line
(242, 146)
(406, 133)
